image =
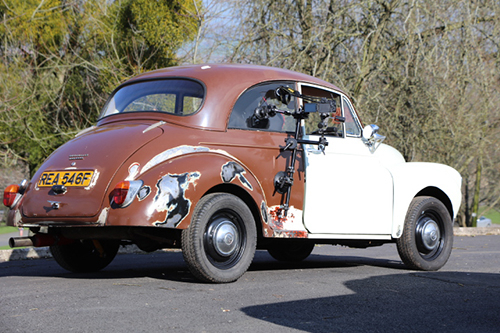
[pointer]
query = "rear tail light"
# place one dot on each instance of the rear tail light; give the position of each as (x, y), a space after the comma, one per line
(11, 195)
(120, 192)
(125, 191)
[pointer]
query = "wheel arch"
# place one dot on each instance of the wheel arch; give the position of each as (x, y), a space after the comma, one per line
(247, 199)
(432, 191)
(417, 179)
(204, 173)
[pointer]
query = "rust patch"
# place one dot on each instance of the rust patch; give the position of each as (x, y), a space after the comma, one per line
(289, 226)
(291, 234)
(231, 170)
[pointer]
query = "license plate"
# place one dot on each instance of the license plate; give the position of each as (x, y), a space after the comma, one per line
(66, 178)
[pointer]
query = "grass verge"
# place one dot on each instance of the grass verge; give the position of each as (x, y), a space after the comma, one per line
(493, 215)
(7, 230)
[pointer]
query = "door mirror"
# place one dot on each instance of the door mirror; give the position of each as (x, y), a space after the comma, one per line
(371, 138)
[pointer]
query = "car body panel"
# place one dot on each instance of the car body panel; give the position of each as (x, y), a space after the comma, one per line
(413, 178)
(100, 150)
(350, 192)
(352, 185)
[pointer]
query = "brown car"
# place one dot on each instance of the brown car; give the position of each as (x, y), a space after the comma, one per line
(222, 159)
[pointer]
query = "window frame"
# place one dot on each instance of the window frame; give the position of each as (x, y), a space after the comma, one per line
(103, 114)
(342, 98)
(354, 115)
(289, 83)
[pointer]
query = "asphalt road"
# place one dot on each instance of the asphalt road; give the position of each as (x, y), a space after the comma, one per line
(336, 289)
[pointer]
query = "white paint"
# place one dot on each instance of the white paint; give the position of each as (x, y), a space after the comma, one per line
(410, 178)
(133, 170)
(94, 180)
(103, 217)
(180, 151)
(354, 194)
(171, 153)
(349, 190)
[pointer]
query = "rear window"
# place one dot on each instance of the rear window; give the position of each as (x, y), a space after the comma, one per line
(174, 96)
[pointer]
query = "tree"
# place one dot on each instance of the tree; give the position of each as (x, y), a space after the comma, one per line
(426, 71)
(61, 59)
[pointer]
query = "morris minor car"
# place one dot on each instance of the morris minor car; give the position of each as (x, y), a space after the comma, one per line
(221, 160)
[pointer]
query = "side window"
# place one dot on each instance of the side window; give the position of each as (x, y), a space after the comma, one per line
(334, 128)
(242, 116)
(352, 127)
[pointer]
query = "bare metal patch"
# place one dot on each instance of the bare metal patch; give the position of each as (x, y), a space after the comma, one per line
(170, 197)
(263, 211)
(231, 170)
(17, 218)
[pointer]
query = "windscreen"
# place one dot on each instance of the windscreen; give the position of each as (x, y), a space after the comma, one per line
(174, 96)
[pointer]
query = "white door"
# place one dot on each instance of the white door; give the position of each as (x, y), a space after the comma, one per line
(348, 191)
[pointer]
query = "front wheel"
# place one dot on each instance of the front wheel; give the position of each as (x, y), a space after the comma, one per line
(219, 244)
(85, 255)
(427, 235)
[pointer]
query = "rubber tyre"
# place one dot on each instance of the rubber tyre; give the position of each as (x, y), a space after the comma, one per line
(427, 235)
(219, 244)
(85, 255)
(291, 252)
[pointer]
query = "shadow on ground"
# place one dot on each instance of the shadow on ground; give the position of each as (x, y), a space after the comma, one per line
(410, 302)
(171, 266)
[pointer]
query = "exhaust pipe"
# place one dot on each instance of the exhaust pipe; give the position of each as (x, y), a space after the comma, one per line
(39, 240)
(20, 242)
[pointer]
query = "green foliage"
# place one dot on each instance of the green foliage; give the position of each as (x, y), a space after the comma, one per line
(34, 22)
(151, 31)
(61, 59)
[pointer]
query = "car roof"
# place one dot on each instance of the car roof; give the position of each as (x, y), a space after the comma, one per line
(224, 84)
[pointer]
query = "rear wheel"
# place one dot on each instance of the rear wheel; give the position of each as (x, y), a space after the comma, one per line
(219, 244)
(427, 235)
(293, 251)
(85, 255)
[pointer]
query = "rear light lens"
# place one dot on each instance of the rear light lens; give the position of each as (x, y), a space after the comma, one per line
(125, 191)
(10, 195)
(120, 192)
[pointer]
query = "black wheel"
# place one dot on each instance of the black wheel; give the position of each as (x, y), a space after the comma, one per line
(85, 255)
(219, 244)
(293, 251)
(427, 235)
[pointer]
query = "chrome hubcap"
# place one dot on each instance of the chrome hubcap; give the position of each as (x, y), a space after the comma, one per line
(429, 233)
(225, 238)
